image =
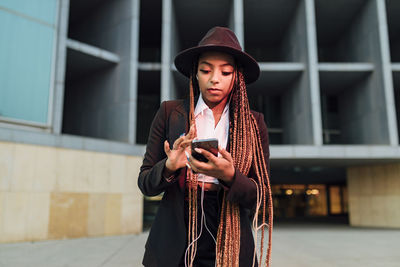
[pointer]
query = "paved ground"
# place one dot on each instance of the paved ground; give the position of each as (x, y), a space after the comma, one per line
(303, 245)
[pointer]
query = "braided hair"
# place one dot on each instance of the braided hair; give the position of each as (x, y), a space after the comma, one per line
(247, 152)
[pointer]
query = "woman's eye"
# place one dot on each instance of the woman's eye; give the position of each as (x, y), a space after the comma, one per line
(205, 71)
(226, 73)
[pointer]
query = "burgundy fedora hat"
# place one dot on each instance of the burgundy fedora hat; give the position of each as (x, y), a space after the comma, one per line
(223, 40)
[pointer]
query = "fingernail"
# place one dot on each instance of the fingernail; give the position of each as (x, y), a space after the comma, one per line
(187, 155)
(197, 150)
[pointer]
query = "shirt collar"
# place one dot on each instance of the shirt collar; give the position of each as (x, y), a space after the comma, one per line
(201, 106)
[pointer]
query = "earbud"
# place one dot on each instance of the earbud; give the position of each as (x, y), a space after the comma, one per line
(197, 77)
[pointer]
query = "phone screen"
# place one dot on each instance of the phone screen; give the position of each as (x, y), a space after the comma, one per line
(210, 144)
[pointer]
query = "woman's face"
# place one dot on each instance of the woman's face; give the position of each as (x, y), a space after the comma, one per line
(215, 76)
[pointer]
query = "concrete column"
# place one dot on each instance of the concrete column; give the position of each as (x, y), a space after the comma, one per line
(387, 78)
(58, 97)
(166, 50)
(237, 20)
(133, 87)
(312, 60)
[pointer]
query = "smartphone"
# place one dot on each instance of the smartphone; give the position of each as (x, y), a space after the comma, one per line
(209, 144)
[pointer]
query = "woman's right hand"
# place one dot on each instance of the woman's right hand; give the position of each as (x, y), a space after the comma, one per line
(176, 156)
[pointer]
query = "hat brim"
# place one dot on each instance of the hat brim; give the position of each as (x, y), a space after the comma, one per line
(184, 60)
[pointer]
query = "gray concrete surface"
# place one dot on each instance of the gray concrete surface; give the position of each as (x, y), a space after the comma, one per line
(303, 245)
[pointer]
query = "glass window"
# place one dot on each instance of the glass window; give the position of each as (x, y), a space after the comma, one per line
(26, 59)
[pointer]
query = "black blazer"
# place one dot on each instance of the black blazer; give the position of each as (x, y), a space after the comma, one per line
(167, 239)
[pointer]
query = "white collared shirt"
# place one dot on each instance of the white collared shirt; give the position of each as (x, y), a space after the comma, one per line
(205, 129)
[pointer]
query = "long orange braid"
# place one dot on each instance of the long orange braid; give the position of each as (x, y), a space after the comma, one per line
(191, 181)
(247, 152)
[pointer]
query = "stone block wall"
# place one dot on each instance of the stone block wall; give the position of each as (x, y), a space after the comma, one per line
(374, 195)
(55, 193)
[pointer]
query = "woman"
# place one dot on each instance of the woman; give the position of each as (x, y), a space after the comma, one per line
(204, 216)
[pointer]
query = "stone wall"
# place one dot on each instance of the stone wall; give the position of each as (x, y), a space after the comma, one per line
(54, 193)
(374, 195)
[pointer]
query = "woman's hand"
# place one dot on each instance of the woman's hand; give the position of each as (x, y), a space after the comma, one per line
(218, 167)
(176, 156)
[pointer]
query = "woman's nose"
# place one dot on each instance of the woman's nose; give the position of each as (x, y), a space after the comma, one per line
(214, 77)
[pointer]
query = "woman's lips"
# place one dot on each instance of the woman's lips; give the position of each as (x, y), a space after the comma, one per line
(213, 90)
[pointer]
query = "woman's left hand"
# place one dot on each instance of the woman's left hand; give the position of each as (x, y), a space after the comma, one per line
(219, 167)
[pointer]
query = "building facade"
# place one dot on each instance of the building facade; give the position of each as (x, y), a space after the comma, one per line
(80, 82)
